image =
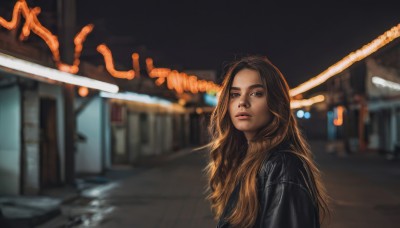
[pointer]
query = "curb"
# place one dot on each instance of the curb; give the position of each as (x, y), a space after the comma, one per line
(29, 221)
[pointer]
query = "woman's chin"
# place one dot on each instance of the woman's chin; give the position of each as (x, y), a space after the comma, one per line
(245, 129)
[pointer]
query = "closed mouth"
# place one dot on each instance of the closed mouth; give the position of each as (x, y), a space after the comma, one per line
(243, 114)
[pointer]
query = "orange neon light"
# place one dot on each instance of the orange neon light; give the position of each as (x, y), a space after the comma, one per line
(160, 73)
(338, 121)
(108, 59)
(78, 41)
(149, 64)
(83, 91)
(349, 60)
(32, 24)
(179, 81)
(136, 65)
(175, 80)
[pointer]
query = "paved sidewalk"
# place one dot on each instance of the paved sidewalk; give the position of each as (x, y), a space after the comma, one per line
(171, 194)
(364, 186)
(31, 211)
(27, 211)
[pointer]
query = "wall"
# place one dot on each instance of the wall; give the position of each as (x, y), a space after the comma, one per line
(88, 158)
(133, 136)
(31, 141)
(10, 140)
(106, 130)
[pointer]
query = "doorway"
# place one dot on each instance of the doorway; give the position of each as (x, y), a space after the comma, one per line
(49, 157)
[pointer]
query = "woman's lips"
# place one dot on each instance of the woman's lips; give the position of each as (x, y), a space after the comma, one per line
(243, 116)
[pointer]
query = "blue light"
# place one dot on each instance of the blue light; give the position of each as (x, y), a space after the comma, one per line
(130, 96)
(307, 115)
(300, 114)
(210, 99)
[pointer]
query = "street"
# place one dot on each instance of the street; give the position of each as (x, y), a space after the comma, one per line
(169, 195)
(365, 189)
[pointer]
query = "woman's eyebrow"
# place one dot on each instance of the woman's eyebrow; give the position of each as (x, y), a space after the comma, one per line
(250, 87)
(256, 86)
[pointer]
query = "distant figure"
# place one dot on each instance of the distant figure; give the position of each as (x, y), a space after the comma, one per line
(261, 171)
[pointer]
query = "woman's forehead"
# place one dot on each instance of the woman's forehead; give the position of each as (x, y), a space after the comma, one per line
(245, 78)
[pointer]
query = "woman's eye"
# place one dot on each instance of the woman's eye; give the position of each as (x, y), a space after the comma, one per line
(257, 94)
(233, 95)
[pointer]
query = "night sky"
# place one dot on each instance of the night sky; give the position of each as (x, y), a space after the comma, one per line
(302, 40)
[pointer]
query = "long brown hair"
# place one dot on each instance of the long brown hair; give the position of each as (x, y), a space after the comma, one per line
(232, 159)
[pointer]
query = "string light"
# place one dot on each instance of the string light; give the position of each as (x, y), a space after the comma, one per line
(295, 104)
(347, 61)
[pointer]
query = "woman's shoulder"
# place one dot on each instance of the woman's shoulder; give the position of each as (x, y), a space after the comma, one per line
(284, 166)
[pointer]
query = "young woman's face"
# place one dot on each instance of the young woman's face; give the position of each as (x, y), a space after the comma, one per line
(248, 107)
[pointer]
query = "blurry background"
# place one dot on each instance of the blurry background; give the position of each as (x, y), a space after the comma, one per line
(102, 104)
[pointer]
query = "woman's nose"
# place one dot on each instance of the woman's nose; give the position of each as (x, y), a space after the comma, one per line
(243, 103)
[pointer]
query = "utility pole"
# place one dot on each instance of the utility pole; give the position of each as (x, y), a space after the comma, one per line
(66, 12)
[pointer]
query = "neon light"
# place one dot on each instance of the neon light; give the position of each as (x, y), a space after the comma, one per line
(108, 59)
(199, 111)
(380, 82)
(294, 104)
(32, 24)
(338, 121)
(149, 64)
(210, 100)
(300, 114)
(83, 91)
(30, 68)
(179, 81)
(143, 98)
(349, 60)
(182, 102)
(136, 65)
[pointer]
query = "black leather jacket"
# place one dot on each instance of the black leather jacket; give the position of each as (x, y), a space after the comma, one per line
(286, 201)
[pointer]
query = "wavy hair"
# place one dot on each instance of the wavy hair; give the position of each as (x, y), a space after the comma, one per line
(233, 160)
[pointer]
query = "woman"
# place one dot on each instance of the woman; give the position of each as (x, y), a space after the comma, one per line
(261, 171)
